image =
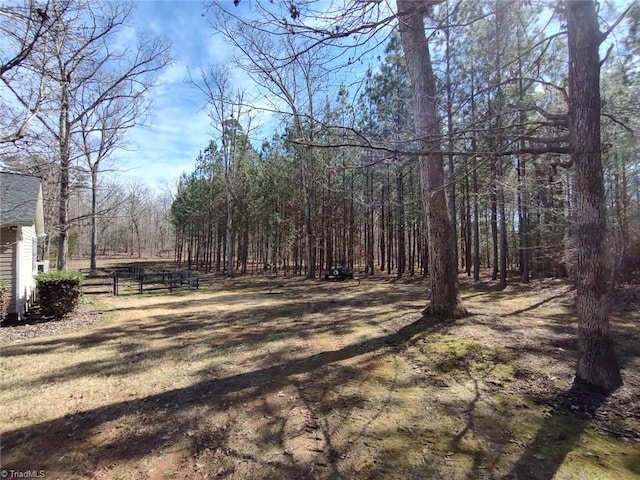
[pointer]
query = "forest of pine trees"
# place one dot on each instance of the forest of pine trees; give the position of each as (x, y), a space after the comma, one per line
(341, 179)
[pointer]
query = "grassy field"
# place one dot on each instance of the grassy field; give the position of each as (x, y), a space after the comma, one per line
(292, 379)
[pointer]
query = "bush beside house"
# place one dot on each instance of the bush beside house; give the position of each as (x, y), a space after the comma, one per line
(59, 292)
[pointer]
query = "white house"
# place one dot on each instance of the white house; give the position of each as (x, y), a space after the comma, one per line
(21, 223)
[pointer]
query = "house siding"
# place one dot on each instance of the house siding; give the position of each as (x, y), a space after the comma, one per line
(21, 222)
(26, 283)
(8, 256)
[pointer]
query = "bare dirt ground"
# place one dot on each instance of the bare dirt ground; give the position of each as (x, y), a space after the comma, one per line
(290, 379)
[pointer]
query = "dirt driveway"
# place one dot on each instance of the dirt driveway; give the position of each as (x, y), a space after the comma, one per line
(292, 379)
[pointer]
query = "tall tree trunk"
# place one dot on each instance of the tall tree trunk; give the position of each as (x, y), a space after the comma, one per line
(65, 164)
(467, 220)
(476, 223)
(370, 268)
(389, 225)
(414, 247)
(307, 193)
(63, 218)
(503, 228)
(523, 219)
(597, 364)
(325, 255)
(401, 252)
(382, 234)
(493, 201)
(452, 172)
(244, 259)
(230, 270)
(93, 264)
(523, 200)
(476, 217)
(137, 230)
(443, 271)
(352, 223)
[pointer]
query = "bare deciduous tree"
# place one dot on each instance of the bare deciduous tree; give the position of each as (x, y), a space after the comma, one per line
(289, 71)
(102, 131)
(24, 30)
(85, 76)
(229, 116)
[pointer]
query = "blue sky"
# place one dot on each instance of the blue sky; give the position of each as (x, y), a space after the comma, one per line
(178, 125)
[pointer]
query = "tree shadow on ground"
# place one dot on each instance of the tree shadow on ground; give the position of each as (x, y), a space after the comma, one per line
(56, 438)
(560, 433)
(172, 339)
(298, 292)
(535, 305)
(169, 325)
(155, 421)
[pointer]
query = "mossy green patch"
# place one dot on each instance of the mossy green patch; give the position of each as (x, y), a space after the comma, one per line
(632, 424)
(448, 345)
(565, 447)
(451, 353)
(511, 400)
(448, 352)
(491, 371)
(599, 456)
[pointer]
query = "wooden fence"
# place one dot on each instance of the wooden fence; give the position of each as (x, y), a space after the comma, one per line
(127, 280)
(98, 284)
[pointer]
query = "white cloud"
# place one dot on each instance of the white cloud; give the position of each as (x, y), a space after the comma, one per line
(178, 130)
(178, 127)
(177, 72)
(218, 50)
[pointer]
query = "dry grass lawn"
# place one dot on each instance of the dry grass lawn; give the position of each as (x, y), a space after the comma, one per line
(292, 379)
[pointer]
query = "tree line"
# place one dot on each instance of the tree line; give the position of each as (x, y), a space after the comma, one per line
(508, 179)
(71, 90)
(484, 138)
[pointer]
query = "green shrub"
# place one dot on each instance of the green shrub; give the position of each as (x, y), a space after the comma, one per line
(4, 299)
(59, 292)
